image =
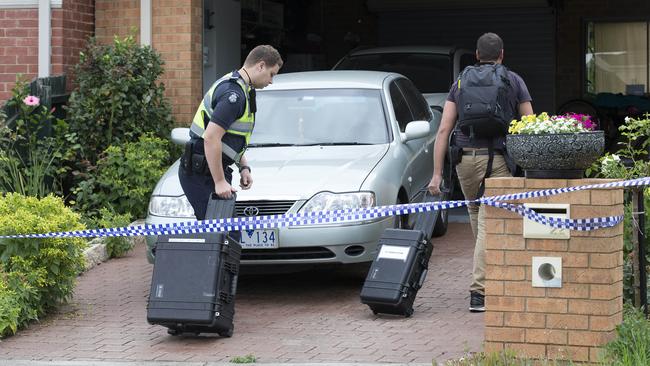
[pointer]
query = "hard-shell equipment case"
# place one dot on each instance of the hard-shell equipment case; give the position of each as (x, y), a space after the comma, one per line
(400, 268)
(194, 279)
(397, 273)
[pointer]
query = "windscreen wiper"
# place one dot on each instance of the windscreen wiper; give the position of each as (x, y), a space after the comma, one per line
(270, 144)
(336, 143)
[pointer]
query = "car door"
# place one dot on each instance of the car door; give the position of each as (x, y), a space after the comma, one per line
(422, 148)
(405, 151)
(462, 59)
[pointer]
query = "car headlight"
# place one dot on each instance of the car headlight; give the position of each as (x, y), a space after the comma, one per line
(328, 201)
(170, 206)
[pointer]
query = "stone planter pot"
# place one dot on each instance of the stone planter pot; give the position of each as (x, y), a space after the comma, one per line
(561, 155)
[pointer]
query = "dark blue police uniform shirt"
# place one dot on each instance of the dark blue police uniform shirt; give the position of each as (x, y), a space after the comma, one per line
(228, 102)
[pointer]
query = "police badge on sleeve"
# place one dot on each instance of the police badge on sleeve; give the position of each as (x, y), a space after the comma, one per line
(232, 98)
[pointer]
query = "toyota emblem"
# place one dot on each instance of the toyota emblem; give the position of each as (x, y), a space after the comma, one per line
(251, 211)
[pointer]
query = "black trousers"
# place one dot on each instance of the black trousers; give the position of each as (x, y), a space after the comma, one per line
(198, 188)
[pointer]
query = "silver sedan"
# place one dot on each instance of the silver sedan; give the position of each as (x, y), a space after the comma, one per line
(324, 140)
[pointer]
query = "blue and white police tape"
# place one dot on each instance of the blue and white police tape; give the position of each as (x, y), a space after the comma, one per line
(355, 215)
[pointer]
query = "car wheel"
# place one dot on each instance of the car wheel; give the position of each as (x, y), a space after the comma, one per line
(442, 222)
(440, 227)
(401, 221)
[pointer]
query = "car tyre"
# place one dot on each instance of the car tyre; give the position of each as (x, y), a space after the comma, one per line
(401, 221)
(442, 222)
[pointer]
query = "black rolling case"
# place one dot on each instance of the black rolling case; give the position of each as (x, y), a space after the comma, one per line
(400, 268)
(195, 279)
(397, 273)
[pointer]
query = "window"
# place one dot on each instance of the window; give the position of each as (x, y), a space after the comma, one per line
(616, 58)
(430, 72)
(416, 102)
(467, 59)
(402, 112)
(315, 116)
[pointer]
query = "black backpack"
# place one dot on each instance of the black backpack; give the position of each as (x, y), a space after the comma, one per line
(484, 103)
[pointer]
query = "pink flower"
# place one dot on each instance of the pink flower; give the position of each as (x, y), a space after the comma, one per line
(31, 100)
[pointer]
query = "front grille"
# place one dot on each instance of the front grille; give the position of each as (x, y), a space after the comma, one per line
(263, 207)
(286, 253)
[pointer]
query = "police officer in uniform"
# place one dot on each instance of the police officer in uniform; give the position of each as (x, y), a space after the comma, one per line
(221, 130)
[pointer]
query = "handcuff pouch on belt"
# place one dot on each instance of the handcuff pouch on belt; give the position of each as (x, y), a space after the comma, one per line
(193, 163)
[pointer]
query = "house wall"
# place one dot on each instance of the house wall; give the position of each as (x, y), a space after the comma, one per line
(71, 25)
(70, 33)
(18, 47)
(176, 35)
(571, 37)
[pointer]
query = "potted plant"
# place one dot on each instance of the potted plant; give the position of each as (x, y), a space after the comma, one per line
(560, 146)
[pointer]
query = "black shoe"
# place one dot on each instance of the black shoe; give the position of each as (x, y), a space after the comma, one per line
(476, 302)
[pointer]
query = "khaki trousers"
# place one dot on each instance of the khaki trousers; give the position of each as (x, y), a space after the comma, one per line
(471, 171)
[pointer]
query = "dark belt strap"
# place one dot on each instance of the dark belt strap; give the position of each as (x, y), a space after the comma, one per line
(480, 152)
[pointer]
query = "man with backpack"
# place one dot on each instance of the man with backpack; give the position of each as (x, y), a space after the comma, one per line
(484, 99)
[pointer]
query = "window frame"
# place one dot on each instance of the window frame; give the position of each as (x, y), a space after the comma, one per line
(584, 44)
(28, 4)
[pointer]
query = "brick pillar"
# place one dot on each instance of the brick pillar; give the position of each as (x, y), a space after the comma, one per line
(570, 322)
(177, 31)
(177, 35)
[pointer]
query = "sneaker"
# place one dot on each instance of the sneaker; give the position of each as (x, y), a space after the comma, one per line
(476, 302)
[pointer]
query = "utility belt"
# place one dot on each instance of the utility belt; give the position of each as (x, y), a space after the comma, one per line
(456, 153)
(194, 163)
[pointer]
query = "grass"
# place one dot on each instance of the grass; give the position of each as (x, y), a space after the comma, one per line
(631, 346)
(244, 359)
(503, 358)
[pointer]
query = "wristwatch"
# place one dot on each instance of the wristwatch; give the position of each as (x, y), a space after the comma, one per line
(245, 167)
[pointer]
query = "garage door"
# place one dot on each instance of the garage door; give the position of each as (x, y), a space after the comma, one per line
(528, 34)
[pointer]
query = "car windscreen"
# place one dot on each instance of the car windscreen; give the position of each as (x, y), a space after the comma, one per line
(430, 73)
(319, 116)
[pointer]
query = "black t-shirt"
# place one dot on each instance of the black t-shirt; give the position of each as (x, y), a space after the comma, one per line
(228, 103)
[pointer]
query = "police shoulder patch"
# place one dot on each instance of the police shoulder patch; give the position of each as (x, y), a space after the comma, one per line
(232, 98)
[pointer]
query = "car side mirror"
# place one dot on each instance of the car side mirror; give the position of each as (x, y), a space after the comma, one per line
(180, 135)
(415, 130)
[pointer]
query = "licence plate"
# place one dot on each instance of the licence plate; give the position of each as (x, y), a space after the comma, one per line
(259, 239)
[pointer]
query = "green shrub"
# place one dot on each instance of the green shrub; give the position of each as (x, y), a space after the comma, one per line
(632, 344)
(629, 162)
(10, 308)
(125, 177)
(39, 272)
(116, 246)
(36, 149)
(118, 97)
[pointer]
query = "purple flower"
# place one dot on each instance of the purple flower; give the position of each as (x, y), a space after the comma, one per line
(31, 100)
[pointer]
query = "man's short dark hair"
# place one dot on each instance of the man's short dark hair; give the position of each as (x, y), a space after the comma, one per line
(266, 53)
(489, 47)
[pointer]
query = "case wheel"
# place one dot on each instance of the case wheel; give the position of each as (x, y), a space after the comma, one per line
(228, 333)
(173, 332)
(408, 313)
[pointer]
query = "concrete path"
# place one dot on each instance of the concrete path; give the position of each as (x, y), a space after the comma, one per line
(306, 317)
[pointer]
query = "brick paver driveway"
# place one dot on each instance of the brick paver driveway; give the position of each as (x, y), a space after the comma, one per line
(311, 316)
